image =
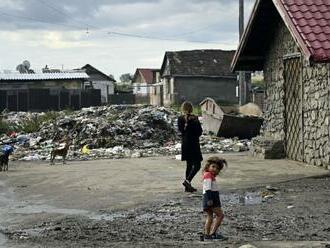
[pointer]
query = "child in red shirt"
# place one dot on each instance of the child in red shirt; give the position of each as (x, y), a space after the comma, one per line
(211, 198)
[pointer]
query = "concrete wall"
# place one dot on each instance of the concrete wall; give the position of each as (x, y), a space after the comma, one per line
(316, 98)
(168, 91)
(107, 88)
(141, 88)
(197, 89)
(156, 95)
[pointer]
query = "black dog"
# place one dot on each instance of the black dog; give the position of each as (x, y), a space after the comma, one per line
(4, 158)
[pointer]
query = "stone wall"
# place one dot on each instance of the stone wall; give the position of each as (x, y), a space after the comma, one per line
(282, 44)
(316, 97)
(316, 111)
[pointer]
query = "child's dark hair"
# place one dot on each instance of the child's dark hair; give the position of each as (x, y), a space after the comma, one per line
(220, 162)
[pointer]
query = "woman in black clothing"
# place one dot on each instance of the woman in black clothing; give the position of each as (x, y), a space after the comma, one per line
(191, 130)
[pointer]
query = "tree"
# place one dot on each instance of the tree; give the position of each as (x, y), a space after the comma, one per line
(112, 76)
(126, 77)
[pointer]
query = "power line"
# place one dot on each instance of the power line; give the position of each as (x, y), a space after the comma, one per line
(38, 20)
(160, 38)
(114, 32)
(64, 13)
(133, 35)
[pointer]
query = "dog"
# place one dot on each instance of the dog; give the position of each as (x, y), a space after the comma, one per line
(5, 151)
(61, 151)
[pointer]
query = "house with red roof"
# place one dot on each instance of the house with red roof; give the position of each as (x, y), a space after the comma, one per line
(290, 41)
(143, 84)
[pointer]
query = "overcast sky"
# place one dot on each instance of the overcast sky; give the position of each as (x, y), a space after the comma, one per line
(107, 33)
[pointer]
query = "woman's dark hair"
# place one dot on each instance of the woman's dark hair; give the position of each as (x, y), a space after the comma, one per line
(220, 162)
(187, 108)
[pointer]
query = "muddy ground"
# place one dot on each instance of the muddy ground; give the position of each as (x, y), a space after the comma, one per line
(297, 209)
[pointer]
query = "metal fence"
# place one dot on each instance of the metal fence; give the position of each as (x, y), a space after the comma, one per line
(121, 98)
(48, 99)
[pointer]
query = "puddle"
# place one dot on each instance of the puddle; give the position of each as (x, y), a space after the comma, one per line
(231, 199)
(107, 217)
(151, 216)
(249, 198)
(37, 209)
(3, 239)
(9, 205)
(252, 198)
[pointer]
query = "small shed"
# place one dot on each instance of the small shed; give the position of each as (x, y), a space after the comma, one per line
(227, 121)
(101, 81)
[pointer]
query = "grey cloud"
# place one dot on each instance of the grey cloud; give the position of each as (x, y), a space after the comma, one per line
(160, 18)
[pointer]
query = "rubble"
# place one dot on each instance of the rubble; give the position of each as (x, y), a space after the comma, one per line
(267, 148)
(117, 131)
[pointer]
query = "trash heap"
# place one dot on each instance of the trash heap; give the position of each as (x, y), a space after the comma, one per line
(117, 131)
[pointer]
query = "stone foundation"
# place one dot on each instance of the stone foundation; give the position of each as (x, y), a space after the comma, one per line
(267, 148)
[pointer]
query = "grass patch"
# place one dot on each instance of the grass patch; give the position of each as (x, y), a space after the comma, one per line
(4, 127)
(197, 109)
(34, 123)
(68, 111)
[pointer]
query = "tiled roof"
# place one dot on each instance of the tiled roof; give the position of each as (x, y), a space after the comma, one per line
(147, 74)
(207, 63)
(311, 19)
(43, 76)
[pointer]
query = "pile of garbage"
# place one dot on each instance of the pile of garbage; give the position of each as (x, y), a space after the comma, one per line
(117, 131)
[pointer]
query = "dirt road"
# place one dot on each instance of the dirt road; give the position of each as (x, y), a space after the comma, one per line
(134, 202)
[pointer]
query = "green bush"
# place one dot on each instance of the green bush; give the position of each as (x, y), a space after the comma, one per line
(34, 123)
(4, 127)
(197, 109)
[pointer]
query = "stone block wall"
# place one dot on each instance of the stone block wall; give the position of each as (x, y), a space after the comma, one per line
(282, 44)
(316, 114)
(316, 98)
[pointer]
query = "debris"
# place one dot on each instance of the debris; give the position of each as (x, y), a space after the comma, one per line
(85, 150)
(117, 131)
(178, 157)
(271, 188)
(247, 246)
(267, 194)
(230, 121)
(267, 148)
(252, 198)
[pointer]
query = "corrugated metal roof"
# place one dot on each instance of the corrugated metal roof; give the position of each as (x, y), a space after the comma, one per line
(43, 76)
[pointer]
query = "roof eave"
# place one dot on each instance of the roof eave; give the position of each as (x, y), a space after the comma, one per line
(292, 29)
(244, 37)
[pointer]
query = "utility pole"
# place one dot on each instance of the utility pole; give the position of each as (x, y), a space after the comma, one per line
(244, 78)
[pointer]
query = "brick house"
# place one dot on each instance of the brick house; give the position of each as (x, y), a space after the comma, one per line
(197, 74)
(290, 41)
